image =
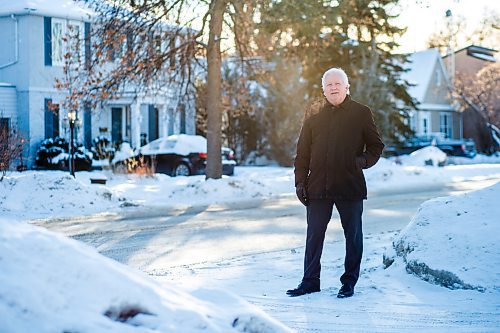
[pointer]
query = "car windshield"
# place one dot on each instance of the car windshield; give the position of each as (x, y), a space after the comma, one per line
(155, 145)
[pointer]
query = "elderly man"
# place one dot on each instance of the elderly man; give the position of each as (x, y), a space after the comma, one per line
(334, 146)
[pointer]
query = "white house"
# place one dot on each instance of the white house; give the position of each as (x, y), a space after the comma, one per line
(436, 112)
(31, 58)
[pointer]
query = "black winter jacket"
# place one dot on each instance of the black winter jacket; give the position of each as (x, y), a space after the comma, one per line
(329, 144)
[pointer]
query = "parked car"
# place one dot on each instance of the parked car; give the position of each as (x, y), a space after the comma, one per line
(182, 155)
(452, 147)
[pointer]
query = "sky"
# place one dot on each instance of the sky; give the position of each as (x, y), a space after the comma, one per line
(51, 283)
(427, 16)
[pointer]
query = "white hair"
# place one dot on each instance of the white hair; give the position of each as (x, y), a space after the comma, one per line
(339, 71)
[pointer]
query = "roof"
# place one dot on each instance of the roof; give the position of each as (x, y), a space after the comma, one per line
(435, 107)
(421, 66)
(69, 9)
(478, 52)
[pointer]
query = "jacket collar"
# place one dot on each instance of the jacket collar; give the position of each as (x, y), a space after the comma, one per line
(342, 105)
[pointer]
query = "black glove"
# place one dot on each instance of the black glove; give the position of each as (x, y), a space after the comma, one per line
(300, 190)
(360, 162)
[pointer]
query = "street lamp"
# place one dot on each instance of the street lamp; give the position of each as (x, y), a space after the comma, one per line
(72, 120)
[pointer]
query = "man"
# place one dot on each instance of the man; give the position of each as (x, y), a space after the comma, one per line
(334, 146)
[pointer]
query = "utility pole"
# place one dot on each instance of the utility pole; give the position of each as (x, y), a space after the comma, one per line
(451, 45)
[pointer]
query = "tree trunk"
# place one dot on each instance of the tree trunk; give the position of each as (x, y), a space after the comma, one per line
(214, 105)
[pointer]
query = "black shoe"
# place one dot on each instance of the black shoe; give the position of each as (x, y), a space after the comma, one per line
(345, 291)
(302, 289)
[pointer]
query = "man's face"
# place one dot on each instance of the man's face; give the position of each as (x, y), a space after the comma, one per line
(335, 89)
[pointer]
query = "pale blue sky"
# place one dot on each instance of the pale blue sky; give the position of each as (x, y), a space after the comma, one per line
(426, 16)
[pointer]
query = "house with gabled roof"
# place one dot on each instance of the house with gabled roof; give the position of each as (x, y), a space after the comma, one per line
(468, 62)
(430, 88)
(31, 58)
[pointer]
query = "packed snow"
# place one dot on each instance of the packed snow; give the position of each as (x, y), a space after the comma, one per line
(461, 229)
(50, 283)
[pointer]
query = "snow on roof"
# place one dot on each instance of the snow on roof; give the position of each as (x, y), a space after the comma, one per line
(69, 9)
(436, 107)
(482, 56)
(6, 84)
(421, 65)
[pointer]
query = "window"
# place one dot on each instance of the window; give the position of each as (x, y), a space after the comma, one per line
(51, 119)
(57, 37)
(445, 124)
(75, 40)
(58, 34)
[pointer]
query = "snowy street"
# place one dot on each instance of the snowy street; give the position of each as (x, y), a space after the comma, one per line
(255, 250)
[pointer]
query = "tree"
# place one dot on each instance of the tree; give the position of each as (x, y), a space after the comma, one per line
(283, 110)
(454, 33)
(483, 96)
(146, 25)
(11, 148)
(355, 35)
(214, 119)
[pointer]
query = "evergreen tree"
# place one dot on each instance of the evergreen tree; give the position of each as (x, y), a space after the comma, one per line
(355, 35)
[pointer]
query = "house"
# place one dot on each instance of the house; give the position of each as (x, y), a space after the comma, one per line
(31, 58)
(468, 62)
(436, 112)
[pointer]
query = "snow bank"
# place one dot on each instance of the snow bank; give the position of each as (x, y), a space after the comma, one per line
(425, 156)
(479, 158)
(124, 153)
(50, 283)
(453, 241)
(51, 193)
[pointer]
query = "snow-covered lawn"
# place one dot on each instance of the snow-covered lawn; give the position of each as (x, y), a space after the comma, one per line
(49, 283)
(49, 194)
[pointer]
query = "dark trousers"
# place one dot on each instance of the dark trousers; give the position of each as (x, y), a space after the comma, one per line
(319, 213)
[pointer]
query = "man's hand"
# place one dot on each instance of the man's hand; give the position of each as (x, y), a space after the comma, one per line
(360, 162)
(300, 190)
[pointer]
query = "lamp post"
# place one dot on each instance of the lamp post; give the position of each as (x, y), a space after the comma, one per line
(72, 120)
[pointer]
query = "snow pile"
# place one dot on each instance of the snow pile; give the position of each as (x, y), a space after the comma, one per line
(54, 193)
(124, 153)
(426, 156)
(479, 158)
(453, 241)
(50, 283)
(50, 192)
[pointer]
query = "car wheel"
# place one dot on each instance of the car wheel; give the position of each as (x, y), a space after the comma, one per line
(181, 170)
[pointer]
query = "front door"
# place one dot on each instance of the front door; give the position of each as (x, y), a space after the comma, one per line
(153, 123)
(117, 125)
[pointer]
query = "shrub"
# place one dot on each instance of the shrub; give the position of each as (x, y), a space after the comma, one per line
(11, 148)
(102, 149)
(53, 154)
